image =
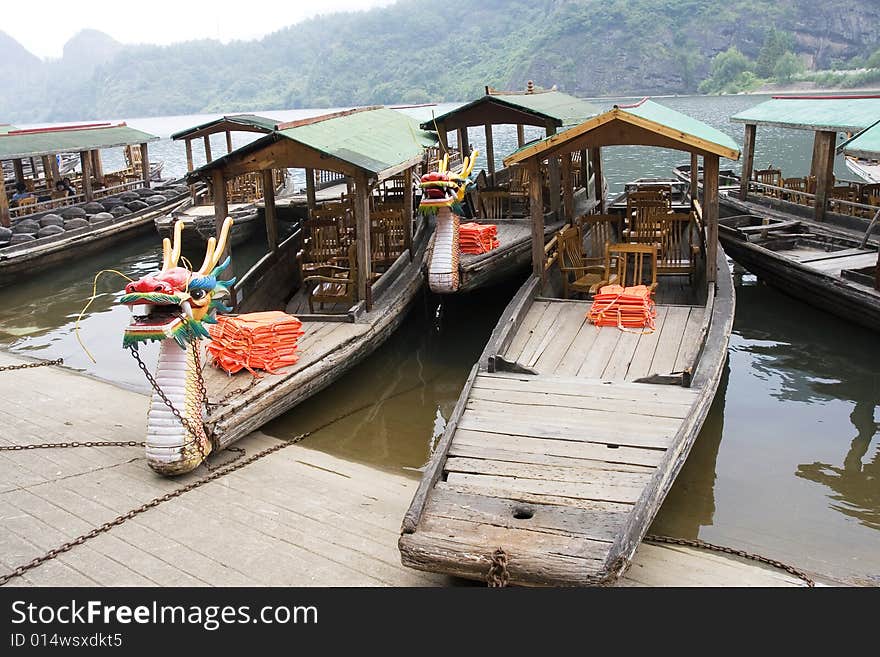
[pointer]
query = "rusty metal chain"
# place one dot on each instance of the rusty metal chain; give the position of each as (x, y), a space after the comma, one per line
(75, 443)
(498, 576)
(27, 366)
(225, 469)
(697, 543)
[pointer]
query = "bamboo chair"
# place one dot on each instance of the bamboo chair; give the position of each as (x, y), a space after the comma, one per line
(334, 284)
(678, 252)
(494, 204)
(619, 271)
(769, 177)
(579, 272)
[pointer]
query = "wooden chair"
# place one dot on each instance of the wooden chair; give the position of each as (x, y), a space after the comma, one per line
(797, 187)
(518, 188)
(495, 204)
(579, 271)
(619, 271)
(769, 177)
(26, 201)
(678, 251)
(644, 211)
(395, 235)
(334, 284)
(842, 193)
(321, 247)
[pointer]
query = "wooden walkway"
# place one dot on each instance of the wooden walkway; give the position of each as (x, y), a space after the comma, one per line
(295, 518)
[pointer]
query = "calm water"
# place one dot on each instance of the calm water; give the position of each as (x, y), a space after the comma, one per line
(787, 464)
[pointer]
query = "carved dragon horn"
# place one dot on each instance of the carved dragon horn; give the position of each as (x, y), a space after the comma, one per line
(215, 248)
(171, 253)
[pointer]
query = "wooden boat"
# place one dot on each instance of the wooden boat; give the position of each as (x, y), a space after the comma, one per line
(243, 192)
(566, 437)
(357, 304)
(809, 244)
(502, 199)
(98, 235)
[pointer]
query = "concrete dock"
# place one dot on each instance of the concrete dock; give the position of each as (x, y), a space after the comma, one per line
(298, 517)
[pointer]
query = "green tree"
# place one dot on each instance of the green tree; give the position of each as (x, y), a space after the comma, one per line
(776, 44)
(874, 60)
(728, 68)
(787, 67)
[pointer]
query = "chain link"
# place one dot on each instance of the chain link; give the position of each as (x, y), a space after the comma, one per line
(697, 543)
(27, 366)
(236, 464)
(90, 443)
(498, 576)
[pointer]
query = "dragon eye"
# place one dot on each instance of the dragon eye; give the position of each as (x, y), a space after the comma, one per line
(198, 295)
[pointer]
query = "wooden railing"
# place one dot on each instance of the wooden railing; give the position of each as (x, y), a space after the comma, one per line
(843, 206)
(324, 179)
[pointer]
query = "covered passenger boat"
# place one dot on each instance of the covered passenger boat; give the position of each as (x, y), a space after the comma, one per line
(345, 281)
(567, 437)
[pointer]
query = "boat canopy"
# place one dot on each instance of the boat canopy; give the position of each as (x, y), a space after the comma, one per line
(818, 113)
(17, 144)
(238, 122)
(375, 141)
(645, 123)
(539, 108)
(865, 144)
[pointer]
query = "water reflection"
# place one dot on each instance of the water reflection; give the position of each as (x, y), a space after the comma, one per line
(390, 409)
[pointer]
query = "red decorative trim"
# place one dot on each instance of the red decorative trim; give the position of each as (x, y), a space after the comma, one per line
(63, 128)
(632, 105)
(823, 97)
(325, 117)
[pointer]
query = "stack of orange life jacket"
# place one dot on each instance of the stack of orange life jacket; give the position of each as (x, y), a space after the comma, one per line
(625, 308)
(477, 238)
(255, 341)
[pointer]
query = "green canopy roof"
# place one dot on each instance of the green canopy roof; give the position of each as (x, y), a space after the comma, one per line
(545, 106)
(651, 124)
(73, 139)
(376, 140)
(865, 144)
(242, 122)
(831, 113)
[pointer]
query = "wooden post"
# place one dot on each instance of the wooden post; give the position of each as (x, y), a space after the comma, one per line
(47, 173)
(228, 141)
(33, 169)
(221, 211)
(270, 211)
(464, 144)
(710, 213)
(490, 151)
(748, 160)
(97, 166)
(408, 211)
(554, 178)
(695, 182)
(19, 170)
(145, 165)
(5, 219)
(85, 160)
(310, 190)
(536, 206)
(520, 134)
(53, 167)
(442, 136)
(362, 220)
(189, 167)
(585, 169)
(567, 188)
(824, 173)
(596, 164)
(208, 156)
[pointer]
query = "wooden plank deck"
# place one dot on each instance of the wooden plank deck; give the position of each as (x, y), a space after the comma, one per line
(556, 339)
(296, 518)
(548, 467)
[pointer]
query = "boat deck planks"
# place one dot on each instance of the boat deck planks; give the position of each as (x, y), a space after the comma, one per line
(555, 338)
(548, 467)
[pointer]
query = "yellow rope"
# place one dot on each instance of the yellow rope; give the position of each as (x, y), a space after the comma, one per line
(86, 307)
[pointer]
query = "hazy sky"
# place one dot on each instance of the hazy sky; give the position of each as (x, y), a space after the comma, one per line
(44, 27)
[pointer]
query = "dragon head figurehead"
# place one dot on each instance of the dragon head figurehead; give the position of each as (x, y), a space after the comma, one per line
(444, 188)
(176, 302)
